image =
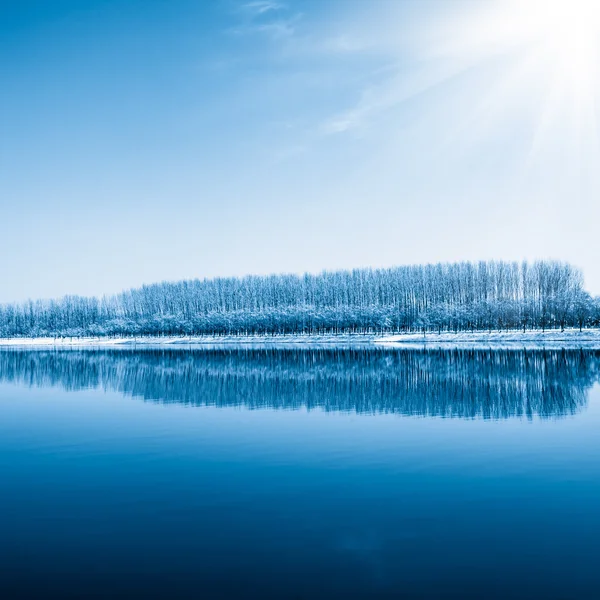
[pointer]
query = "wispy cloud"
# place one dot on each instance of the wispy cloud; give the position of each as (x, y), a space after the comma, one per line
(266, 17)
(274, 29)
(261, 7)
(376, 98)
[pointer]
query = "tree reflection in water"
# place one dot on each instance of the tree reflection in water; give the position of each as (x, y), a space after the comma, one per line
(493, 384)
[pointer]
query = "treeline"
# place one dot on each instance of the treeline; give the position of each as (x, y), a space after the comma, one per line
(459, 383)
(443, 297)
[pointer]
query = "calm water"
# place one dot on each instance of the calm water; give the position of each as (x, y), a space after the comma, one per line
(299, 474)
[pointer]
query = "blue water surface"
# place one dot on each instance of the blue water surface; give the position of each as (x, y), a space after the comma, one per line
(299, 474)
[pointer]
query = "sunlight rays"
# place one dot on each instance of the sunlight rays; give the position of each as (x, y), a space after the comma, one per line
(556, 44)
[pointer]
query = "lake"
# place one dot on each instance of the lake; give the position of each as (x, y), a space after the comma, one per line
(299, 473)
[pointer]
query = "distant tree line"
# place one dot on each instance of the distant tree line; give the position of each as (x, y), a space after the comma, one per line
(444, 297)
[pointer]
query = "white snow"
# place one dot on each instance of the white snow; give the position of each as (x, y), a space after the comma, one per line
(571, 338)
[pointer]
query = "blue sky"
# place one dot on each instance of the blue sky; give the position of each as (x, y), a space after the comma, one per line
(151, 140)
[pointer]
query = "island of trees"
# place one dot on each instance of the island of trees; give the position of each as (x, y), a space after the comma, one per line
(483, 296)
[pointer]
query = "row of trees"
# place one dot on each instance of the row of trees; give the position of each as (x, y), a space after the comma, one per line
(444, 297)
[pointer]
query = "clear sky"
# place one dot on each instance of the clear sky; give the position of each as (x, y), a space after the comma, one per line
(143, 140)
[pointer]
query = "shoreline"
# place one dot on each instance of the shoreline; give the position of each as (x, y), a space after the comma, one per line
(553, 339)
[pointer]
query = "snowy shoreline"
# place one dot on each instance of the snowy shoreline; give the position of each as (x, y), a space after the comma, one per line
(553, 339)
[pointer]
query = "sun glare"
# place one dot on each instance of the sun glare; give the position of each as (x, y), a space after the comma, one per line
(564, 36)
(566, 18)
(560, 36)
(567, 29)
(552, 68)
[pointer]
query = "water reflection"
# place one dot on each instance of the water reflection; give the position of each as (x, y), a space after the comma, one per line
(457, 383)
